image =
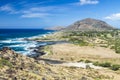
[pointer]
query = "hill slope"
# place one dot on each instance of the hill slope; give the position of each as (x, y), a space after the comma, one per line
(15, 66)
(89, 24)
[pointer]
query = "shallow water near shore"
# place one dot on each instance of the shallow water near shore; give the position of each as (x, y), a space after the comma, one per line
(17, 39)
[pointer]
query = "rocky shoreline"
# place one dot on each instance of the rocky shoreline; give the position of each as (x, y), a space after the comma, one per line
(38, 51)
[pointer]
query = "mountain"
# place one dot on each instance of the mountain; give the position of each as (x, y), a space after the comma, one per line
(89, 24)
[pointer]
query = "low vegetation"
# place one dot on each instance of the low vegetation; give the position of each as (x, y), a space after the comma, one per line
(48, 49)
(117, 45)
(4, 62)
(109, 65)
(108, 39)
(115, 67)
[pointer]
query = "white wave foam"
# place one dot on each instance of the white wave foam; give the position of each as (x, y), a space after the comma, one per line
(24, 45)
(33, 37)
(41, 35)
(6, 41)
(23, 52)
(13, 41)
(18, 45)
(26, 52)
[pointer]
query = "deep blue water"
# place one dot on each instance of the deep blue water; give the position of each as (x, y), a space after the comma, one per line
(15, 39)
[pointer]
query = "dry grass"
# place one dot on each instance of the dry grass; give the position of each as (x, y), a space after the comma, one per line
(71, 52)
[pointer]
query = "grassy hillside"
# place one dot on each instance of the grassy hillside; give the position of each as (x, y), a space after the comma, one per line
(14, 66)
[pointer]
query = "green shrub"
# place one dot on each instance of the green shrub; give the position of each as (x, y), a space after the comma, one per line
(71, 59)
(80, 60)
(4, 62)
(78, 41)
(112, 47)
(88, 61)
(115, 67)
(106, 64)
(117, 45)
(61, 58)
(117, 51)
(103, 46)
(83, 43)
(96, 63)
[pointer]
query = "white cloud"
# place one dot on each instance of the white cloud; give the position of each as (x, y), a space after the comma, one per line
(33, 12)
(35, 15)
(113, 17)
(84, 2)
(8, 8)
(40, 12)
(40, 9)
(37, 12)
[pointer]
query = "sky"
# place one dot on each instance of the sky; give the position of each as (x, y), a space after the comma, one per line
(51, 13)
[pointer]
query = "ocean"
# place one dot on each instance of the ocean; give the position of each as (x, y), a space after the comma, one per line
(16, 39)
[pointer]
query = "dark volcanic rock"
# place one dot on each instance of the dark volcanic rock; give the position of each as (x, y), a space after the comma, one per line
(6, 48)
(37, 53)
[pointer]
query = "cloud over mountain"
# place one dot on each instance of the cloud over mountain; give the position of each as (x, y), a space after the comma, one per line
(115, 16)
